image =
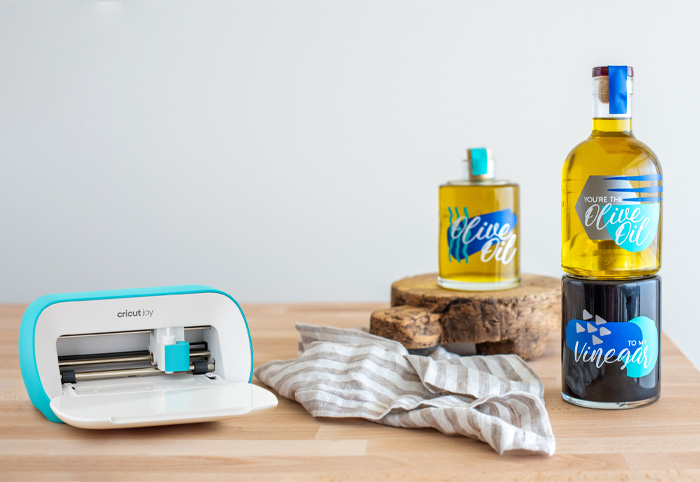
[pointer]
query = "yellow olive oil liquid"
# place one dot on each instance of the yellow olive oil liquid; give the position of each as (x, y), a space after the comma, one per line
(611, 205)
(472, 215)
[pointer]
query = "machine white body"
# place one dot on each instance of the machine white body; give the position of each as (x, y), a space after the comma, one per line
(66, 341)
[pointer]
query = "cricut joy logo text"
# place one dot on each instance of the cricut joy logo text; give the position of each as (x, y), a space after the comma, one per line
(127, 314)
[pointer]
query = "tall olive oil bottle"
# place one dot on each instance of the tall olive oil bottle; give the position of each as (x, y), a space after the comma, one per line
(611, 191)
(479, 229)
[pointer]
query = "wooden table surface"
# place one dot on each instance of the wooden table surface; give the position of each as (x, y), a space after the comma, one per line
(658, 442)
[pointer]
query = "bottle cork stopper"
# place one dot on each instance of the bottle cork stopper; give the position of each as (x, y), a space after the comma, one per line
(604, 90)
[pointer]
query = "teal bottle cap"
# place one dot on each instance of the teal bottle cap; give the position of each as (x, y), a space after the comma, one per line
(480, 163)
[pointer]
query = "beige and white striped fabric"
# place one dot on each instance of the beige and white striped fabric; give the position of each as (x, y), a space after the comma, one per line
(497, 399)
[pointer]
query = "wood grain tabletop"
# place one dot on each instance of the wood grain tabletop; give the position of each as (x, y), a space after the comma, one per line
(658, 442)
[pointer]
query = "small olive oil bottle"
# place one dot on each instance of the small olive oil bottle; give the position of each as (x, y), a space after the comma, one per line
(611, 191)
(479, 229)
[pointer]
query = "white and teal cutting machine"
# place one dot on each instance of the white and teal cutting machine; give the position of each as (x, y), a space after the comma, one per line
(132, 358)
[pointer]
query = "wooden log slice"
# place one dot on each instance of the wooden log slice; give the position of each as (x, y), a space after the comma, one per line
(510, 321)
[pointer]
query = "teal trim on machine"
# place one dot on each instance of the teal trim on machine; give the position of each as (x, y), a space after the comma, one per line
(177, 357)
(27, 331)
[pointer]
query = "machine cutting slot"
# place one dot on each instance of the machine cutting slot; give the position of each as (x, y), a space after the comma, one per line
(137, 362)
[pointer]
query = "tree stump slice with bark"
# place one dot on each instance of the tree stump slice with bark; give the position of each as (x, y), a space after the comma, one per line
(423, 315)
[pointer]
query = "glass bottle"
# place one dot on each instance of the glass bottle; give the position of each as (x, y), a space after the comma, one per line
(611, 191)
(479, 229)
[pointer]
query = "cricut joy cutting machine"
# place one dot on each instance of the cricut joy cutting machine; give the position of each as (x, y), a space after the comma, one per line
(130, 358)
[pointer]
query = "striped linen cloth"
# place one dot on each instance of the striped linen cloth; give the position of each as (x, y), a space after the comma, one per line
(497, 399)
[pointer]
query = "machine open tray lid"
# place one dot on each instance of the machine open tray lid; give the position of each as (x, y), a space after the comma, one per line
(162, 400)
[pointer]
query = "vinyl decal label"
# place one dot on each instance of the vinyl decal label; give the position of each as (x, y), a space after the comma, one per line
(610, 208)
(490, 234)
(634, 343)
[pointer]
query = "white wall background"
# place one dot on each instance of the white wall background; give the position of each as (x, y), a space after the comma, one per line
(292, 151)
